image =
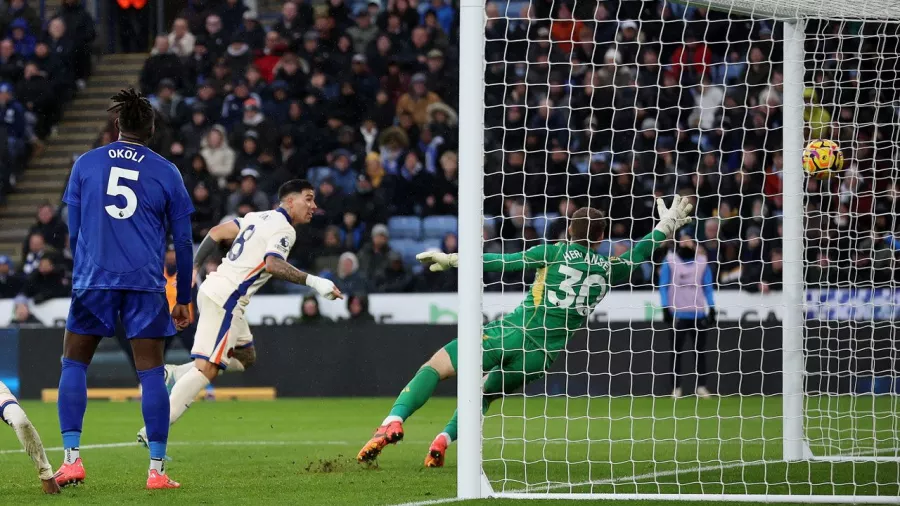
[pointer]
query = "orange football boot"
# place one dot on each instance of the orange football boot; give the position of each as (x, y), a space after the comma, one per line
(436, 453)
(384, 435)
(70, 474)
(157, 481)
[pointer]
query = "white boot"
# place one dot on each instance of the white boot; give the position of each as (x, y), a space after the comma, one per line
(677, 393)
(703, 392)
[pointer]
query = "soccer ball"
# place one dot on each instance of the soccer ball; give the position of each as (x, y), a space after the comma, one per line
(822, 159)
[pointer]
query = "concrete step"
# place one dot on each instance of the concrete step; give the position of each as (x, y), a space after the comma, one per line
(12, 233)
(33, 199)
(81, 125)
(61, 173)
(19, 221)
(40, 184)
(124, 58)
(18, 211)
(53, 160)
(13, 249)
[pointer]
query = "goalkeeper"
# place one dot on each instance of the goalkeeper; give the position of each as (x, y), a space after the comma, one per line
(571, 279)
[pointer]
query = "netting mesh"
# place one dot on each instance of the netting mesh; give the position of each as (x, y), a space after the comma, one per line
(613, 104)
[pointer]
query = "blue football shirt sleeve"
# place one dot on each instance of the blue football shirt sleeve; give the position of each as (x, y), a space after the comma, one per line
(184, 258)
(74, 227)
(72, 196)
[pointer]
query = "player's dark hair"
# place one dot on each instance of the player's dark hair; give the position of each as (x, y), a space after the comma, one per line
(588, 224)
(135, 113)
(294, 186)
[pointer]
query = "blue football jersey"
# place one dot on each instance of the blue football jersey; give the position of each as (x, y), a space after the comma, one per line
(127, 195)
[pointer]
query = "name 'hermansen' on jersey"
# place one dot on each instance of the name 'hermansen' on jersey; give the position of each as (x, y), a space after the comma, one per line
(128, 154)
(592, 259)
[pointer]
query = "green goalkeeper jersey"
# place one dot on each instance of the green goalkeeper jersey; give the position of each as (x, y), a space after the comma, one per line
(570, 281)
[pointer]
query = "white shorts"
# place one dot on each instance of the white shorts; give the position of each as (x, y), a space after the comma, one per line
(6, 397)
(219, 331)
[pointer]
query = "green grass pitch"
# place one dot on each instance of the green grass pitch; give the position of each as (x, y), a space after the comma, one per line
(303, 451)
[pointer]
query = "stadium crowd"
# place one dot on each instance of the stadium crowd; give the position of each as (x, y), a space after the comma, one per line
(43, 63)
(606, 104)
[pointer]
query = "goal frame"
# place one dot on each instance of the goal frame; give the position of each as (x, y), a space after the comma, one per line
(472, 483)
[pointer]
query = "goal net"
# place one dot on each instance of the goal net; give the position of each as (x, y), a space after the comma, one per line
(792, 392)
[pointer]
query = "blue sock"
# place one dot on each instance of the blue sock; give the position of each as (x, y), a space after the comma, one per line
(72, 401)
(155, 407)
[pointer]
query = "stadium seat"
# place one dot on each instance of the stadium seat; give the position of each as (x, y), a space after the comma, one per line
(436, 227)
(405, 227)
(408, 249)
(428, 244)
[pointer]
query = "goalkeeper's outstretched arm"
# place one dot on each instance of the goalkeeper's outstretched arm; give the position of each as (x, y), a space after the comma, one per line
(671, 219)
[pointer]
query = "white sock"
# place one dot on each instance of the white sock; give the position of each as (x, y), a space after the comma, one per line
(181, 370)
(184, 392)
(159, 465)
(72, 454)
(390, 419)
(447, 437)
(28, 436)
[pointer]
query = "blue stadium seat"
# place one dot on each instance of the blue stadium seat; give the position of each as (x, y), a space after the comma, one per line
(436, 227)
(405, 227)
(408, 249)
(432, 244)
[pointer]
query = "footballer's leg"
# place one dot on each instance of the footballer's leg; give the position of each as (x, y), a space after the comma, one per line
(13, 415)
(147, 323)
(414, 396)
(521, 364)
(92, 315)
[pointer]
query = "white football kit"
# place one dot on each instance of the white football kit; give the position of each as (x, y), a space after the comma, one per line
(225, 293)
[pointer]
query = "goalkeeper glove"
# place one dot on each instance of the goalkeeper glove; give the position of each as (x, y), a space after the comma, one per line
(675, 217)
(438, 261)
(322, 286)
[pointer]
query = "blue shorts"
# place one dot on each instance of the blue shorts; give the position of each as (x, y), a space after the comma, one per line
(143, 314)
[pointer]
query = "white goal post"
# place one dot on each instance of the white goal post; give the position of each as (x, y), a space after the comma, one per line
(561, 458)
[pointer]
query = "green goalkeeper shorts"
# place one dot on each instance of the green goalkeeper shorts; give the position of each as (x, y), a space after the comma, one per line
(510, 359)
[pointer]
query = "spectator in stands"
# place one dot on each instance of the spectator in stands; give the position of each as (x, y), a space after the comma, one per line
(206, 95)
(50, 227)
(218, 154)
(207, 211)
(348, 278)
(162, 64)
(42, 105)
(238, 56)
(181, 40)
(394, 277)
(22, 316)
(358, 309)
(341, 173)
(373, 256)
(232, 14)
(80, 25)
(291, 26)
(198, 65)
(191, 134)
(216, 37)
(352, 231)
(267, 60)
(13, 115)
(236, 103)
(169, 104)
(19, 9)
(253, 32)
(11, 64)
(416, 101)
(253, 120)
(46, 282)
(23, 39)
(248, 191)
(310, 313)
(364, 31)
(10, 283)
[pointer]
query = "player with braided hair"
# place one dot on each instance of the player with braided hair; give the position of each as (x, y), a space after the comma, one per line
(124, 200)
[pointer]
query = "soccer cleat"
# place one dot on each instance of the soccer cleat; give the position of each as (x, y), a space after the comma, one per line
(70, 474)
(677, 393)
(436, 453)
(157, 481)
(169, 375)
(384, 435)
(703, 392)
